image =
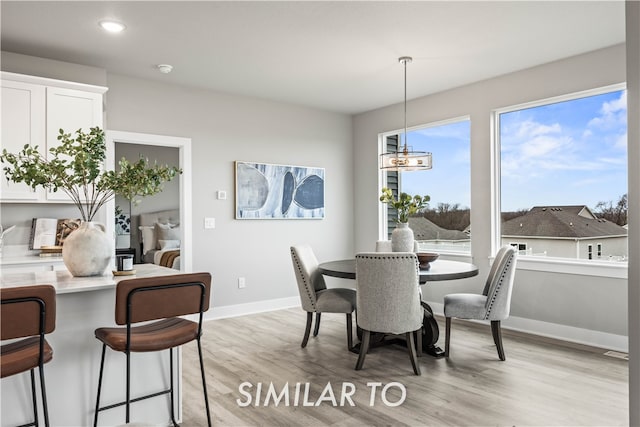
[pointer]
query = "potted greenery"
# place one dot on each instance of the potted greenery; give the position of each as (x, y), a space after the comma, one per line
(75, 166)
(405, 205)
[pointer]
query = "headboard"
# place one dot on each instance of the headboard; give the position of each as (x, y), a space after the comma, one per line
(171, 216)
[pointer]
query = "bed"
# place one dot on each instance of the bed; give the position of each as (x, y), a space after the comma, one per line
(158, 237)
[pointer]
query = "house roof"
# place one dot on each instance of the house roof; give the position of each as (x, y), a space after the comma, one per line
(423, 229)
(561, 221)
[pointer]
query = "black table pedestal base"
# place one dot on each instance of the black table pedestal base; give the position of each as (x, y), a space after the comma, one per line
(430, 335)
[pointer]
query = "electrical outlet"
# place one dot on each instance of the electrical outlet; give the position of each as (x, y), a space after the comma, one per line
(222, 195)
(241, 283)
(209, 223)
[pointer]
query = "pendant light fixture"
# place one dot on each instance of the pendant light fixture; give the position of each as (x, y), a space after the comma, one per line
(405, 160)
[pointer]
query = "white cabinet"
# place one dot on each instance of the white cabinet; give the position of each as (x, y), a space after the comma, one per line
(34, 109)
(23, 122)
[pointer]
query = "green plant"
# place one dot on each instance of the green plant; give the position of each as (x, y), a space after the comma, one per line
(405, 204)
(75, 166)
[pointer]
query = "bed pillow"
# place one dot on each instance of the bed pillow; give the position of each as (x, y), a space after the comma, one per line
(148, 235)
(168, 244)
(166, 232)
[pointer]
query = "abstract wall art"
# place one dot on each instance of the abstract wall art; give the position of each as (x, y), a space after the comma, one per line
(268, 191)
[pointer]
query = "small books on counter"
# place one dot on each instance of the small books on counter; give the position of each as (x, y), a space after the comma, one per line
(48, 234)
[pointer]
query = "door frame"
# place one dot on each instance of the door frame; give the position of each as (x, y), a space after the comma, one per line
(184, 149)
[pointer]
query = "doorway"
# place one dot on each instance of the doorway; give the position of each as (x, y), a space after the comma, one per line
(183, 146)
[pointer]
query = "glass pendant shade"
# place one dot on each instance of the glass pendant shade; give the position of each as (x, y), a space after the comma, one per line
(405, 161)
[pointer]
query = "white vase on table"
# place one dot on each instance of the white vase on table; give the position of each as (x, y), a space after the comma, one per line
(87, 250)
(402, 238)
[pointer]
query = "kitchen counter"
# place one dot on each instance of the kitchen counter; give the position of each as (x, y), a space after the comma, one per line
(84, 304)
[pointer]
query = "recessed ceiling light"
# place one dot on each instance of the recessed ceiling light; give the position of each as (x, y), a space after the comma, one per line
(165, 68)
(112, 26)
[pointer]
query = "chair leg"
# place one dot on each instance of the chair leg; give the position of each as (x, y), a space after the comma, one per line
(204, 383)
(447, 336)
(95, 416)
(43, 390)
(173, 416)
(349, 332)
(364, 348)
(419, 343)
(497, 338)
(128, 400)
(35, 399)
(307, 329)
(317, 328)
(411, 346)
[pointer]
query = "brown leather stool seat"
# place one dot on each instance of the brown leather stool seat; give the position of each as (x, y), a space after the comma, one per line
(27, 312)
(23, 356)
(155, 336)
(156, 301)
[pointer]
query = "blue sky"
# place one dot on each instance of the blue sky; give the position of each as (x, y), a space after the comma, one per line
(566, 153)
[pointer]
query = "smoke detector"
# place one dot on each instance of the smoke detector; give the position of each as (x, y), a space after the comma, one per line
(165, 68)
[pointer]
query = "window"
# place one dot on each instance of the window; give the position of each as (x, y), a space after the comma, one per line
(563, 175)
(445, 225)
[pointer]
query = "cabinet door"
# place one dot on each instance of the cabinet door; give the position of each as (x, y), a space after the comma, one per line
(23, 116)
(70, 109)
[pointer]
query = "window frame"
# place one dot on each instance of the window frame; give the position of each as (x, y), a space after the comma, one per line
(383, 210)
(594, 267)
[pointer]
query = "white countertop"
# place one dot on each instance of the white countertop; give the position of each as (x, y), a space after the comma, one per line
(64, 282)
(29, 259)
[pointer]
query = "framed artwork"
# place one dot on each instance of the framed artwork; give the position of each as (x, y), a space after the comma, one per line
(267, 191)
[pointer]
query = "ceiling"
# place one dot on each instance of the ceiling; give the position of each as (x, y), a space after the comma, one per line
(339, 56)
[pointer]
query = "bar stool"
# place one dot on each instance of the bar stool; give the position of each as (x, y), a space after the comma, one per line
(27, 312)
(162, 299)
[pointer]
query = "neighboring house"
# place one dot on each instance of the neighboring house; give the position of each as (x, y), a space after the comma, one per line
(566, 232)
(432, 236)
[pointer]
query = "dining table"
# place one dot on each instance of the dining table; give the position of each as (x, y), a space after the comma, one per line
(435, 271)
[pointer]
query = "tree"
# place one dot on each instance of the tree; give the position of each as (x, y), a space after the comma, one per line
(615, 213)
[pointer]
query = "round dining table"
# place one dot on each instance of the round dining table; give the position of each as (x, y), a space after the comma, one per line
(438, 270)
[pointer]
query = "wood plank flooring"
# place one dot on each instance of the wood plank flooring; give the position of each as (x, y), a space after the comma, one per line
(543, 382)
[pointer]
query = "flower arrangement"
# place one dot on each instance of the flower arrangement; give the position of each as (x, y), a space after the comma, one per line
(405, 204)
(75, 166)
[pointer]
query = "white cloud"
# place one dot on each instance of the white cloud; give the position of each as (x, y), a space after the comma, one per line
(612, 114)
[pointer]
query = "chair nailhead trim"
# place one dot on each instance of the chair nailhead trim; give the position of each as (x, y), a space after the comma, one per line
(498, 286)
(306, 285)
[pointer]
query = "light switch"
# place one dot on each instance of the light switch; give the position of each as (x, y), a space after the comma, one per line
(209, 223)
(222, 195)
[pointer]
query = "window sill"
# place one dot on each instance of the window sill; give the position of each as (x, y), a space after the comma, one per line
(615, 270)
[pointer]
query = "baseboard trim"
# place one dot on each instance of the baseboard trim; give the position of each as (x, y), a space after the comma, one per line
(236, 310)
(562, 332)
(537, 327)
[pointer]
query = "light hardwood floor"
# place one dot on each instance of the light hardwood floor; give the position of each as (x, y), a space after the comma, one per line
(542, 383)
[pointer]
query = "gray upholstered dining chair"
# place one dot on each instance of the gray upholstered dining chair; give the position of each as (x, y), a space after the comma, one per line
(316, 297)
(388, 299)
(493, 304)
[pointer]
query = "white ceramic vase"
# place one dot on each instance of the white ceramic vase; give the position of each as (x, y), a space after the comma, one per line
(87, 251)
(402, 238)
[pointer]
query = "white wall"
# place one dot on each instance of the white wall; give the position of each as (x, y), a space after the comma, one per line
(225, 128)
(573, 301)
(633, 87)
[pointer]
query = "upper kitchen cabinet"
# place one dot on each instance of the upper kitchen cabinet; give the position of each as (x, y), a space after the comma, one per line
(34, 109)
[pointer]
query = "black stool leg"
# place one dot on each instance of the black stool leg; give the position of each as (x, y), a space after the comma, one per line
(33, 396)
(204, 383)
(95, 416)
(173, 417)
(43, 390)
(128, 400)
